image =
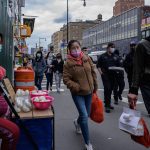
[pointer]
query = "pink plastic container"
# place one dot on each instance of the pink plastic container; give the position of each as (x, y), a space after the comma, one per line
(43, 105)
(39, 94)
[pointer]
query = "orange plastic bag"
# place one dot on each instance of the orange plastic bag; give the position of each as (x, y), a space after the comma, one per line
(97, 109)
(145, 139)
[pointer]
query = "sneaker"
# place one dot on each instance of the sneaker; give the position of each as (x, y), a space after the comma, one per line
(77, 126)
(88, 147)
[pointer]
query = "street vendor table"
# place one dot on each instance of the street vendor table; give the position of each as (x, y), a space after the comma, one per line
(40, 123)
(36, 126)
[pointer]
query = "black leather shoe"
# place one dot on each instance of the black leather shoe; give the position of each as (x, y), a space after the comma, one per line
(111, 107)
(120, 97)
(107, 109)
(116, 103)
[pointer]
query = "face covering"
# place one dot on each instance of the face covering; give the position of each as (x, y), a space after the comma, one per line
(86, 52)
(112, 50)
(58, 57)
(76, 53)
(38, 55)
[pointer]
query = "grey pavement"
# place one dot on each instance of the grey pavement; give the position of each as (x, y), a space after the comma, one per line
(104, 136)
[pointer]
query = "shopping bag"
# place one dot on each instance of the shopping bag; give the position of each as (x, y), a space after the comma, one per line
(132, 123)
(129, 121)
(97, 110)
(145, 139)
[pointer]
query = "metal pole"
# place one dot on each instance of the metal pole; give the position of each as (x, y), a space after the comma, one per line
(39, 42)
(67, 22)
(96, 40)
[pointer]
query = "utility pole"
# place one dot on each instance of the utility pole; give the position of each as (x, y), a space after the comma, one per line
(84, 4)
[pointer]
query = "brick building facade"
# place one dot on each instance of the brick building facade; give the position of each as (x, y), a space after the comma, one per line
(124, 5)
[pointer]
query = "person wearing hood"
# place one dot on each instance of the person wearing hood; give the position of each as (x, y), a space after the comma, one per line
(39, 67)
(128, 62)
(141, 74)
(107, 64)
(80, 77)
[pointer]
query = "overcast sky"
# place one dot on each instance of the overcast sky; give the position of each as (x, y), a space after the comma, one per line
(52, 15)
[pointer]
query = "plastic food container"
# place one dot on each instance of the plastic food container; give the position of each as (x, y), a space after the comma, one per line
(43, 105)
(38, 94)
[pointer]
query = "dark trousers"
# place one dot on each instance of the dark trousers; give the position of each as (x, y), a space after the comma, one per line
(49, 77)
(118, 85)
(108, 82)
(129, 76)
(145, 89)
(38, 81)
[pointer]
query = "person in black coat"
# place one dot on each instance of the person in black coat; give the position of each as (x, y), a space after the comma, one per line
(128, 63)
(119, 79)
(49, 70)
(39, 67)
(58, 70)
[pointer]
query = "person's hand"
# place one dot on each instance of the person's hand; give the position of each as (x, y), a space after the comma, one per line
(132, 98)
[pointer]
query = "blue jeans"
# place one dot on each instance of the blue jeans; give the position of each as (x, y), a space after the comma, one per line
(83, 104)
(38, 81)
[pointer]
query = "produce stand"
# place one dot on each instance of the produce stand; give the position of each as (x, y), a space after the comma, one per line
(37, 126)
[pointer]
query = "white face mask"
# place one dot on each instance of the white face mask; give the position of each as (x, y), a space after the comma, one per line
(38, 55)
(112, 50)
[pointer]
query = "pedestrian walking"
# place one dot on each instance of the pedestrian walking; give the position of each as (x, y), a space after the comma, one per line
(58, 70)
(119, 79)
(49, 70)
(141, 73)
(128, 63)
(106, 65)
(39, 67)
(80, 77)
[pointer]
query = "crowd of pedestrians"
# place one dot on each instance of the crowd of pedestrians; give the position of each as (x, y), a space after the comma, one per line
(79, 75)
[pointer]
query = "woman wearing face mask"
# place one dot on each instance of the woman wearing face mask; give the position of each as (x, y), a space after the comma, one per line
(39, 67)
(107, 64)
(49, 70)
(80, 78)
(58, 70)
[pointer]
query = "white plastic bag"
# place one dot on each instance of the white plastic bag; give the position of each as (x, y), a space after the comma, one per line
(130, 122)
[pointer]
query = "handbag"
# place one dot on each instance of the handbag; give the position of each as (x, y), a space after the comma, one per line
(97, 109)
